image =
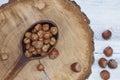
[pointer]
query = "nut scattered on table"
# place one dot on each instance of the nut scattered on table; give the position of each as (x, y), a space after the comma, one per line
(4, 56)
(102, 62)
(76, 67)
(40, 39)
(40, 67)
(112, 64)
(108, 51)
(105, 75)
(107, 34)
(53, 54)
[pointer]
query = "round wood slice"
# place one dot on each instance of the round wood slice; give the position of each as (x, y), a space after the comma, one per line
(75, 43)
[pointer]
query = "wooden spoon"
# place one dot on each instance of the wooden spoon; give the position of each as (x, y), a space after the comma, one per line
(23, 60)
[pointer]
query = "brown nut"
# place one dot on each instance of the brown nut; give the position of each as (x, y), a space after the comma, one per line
(40, 34)
(54, 30)
(34, 31)
(28, 54)
(38, 27)
(46, 41)
(47, 35)
(28, 46)
(28, 35)
(37, 44)
(34, 36)
(102, 62)
(108, 51)
(45, 47)
(31, 49)
(105, 74)
(106, 34)
(26, 40)
(34, 52)
(52, 41)
(53, 54)
(40, 67)
(76, 67)
(4, 56)
(112, 64)
(46, 27)
(41, 39)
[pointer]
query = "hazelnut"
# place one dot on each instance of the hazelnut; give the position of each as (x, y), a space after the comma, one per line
(47, 35)
(28, 46)
(31, 49)
(43, 54)
(46, 41)
(76, 67)
(112, 64)
(40, 33)
(46, 27)
(40, 67)
(28, 54)
(26, 40)
(45, 47)
(38, 51)
(105, 74)
(54, 30)
(52, 41)
(108, 51)
(34, 31)
(34, 52)
(37, 44)
(34, 36)
(102, 62)
(53, 54)
(38, 27)
(41, 39)
(28, 35)
(4, 56)
(106, 34)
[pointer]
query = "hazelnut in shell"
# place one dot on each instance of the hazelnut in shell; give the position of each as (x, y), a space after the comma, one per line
(28, 35)
(105, 75)
(31, 49)
(38, 27)
(112, 64)
(40, 67)
(45, 47)
(108, 51)
(34, 36)
(47, 35)
(26, 40)
(102, 62)
(75, 67)
(40, 33)
(54, 30)
(53, 54)
(28, 54)
(107, 34)
(46, 27)
(52, 41)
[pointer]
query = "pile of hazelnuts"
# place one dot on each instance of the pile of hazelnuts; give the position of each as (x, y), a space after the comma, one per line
(40, 40)
(108, 52)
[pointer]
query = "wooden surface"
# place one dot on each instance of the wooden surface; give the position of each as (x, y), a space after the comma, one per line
(74, 44)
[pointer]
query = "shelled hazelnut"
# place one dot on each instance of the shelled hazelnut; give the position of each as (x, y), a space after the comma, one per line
(40, 67)
(46, 27)
(106, 34)
(54, 30)
(105, 75)
(4, 56)
(31, 49)
(108, 51)
(112, 64)
(37, 44)
(102, 62)
(76, 67)
(40, 33)
(28, 46)
(34, 31)
(53, 54)
(52, 41)
(46, 41)
(38, 51)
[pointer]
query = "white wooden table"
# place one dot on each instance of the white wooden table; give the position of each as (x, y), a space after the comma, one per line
(104, 14)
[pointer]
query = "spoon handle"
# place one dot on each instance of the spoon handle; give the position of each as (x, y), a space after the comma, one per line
(16, 68)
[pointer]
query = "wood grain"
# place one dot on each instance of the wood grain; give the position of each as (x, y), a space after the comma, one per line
(74, 44)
